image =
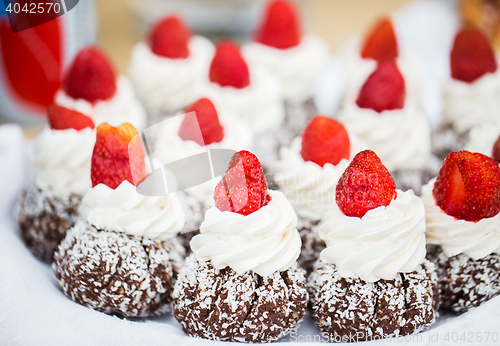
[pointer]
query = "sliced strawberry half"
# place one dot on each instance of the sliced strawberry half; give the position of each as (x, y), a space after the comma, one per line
(366, 184)
(280, 25)
(468, 186)
(170, 38)
(243, 189)
(207, 121)
(325, 140)
(381, 44)
(384, 89)
(228, 67)
(115, 158)
(90, 77)
(471, 56)
(61, 118)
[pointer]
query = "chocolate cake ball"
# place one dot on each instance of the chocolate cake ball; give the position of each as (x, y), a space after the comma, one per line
(116, 273)
(446, 139)
(466, 283)
(194, 209)
(223, 305)
(351, 307)
(312, 244)
(44, 219)
(406, 179)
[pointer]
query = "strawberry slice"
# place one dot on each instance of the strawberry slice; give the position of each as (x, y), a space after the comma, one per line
(471, 56)
(384, 89)
(228, 67)
(90, 77)
(170, 38)
(112, 160)
(325, 140)
(61, 118)
(365, 185)
(243, 189)
(208, 122)
(381, 44)
(468, 186)
(495, 154)
(280, 25)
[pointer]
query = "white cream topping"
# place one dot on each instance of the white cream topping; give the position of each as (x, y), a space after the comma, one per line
(474, 239)
(62, 160)
(165, 84)
(310, 188)
(125, 210)
(385, 241)
(170, 147)
(482, 138)
(265, 241)
(297, 67)
(400, 137)
(469, 104)
(123, 107)
(260, 104)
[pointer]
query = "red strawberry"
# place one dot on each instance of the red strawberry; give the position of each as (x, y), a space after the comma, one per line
(61, 118)
(365, 185)
(228, 67)
(468, 186)
(243, 189)
(208, 122)
(384, 89)
(471, 56)
(381, 44)
(325, 140)
(280, 26)
(496, 150)
(118, 156)
(90, 76)
(170, 38)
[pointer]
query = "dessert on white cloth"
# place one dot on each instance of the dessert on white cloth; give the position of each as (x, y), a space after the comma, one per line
(49, 205)
(372, 279)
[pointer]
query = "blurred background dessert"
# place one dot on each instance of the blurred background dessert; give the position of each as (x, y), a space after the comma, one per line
(116, 26)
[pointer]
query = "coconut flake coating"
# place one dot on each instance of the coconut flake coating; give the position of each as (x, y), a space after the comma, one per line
(466, 283)
(351, 307)
(312, 244)
(194, 209)
(446, 139)
(44, 219)
(414, 179)
(116, 273)
(222, 305)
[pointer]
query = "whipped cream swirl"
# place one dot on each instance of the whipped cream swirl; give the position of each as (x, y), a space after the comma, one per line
(474, 239)
(400, 137)
(62, 160)
(482, 138)
(260, 104)
(297, 67)
(165, 84)
(123, 107)
(265, 241)
(125, 210)
(466, 105)
(170, 147)
(385, 241)
(310, 188)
